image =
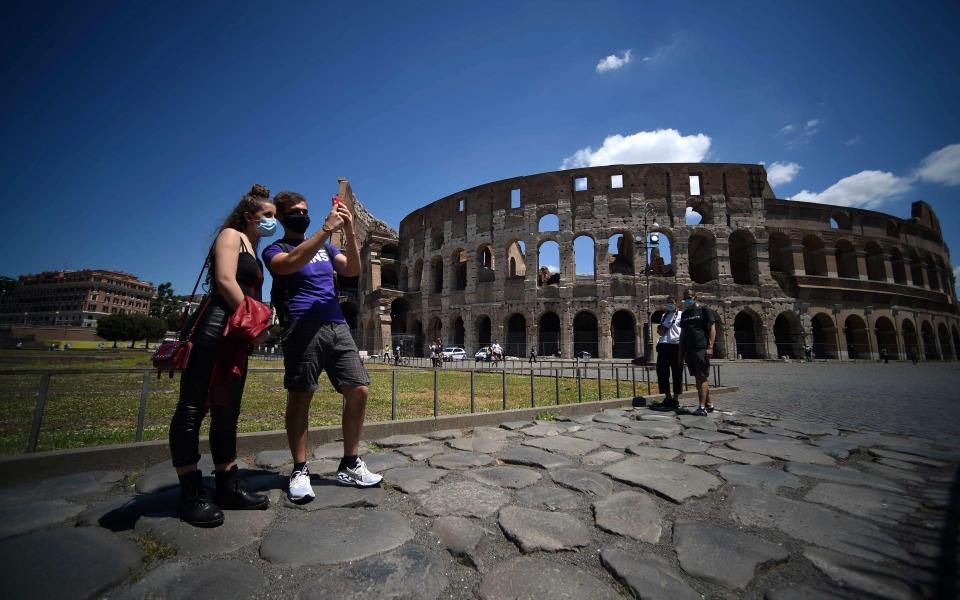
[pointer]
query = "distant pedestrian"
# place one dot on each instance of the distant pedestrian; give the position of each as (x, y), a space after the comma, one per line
(533, 355)
(234, 273)
(884, 356)
(697, 333)
(668, 358)
(913, 355)
(808, 353)
(19, 345)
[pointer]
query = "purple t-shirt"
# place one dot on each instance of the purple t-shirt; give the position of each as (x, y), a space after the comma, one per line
(310, 290)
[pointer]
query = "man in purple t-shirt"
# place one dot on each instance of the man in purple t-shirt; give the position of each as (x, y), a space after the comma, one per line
(316, 336)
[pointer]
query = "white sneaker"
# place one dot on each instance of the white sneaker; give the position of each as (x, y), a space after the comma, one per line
(359, 476)
(300, 489)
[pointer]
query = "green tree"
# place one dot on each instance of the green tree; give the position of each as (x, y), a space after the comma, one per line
(165, 305)
(145, 327)
(114, 328)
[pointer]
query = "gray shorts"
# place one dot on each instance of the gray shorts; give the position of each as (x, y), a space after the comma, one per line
(310, 347)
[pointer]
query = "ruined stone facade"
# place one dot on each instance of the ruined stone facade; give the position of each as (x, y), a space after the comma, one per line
(779, 274)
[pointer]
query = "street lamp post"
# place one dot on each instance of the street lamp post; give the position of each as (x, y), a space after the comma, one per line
(649, 242)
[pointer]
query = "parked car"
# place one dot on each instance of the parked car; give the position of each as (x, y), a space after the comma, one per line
(584, 354)
(483, 354)
(454, 353)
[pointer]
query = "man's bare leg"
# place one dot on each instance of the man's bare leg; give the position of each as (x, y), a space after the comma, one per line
(354, 410)
(703, 391)
(297, 420)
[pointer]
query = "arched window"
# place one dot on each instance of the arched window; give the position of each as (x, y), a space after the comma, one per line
(743, 258)
(876, 269)
(584, 257)
(548, 264)
(516, 259)
(549, 222)
(485, 264)
(459, 260)
(620, 254)
(846, 258)
(702, 250)
(814, 262)
(781, 256)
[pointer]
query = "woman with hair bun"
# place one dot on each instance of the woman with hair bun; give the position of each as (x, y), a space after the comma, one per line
(234, 272)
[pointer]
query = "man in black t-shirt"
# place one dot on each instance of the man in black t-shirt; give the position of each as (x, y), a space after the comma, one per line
(698, 329)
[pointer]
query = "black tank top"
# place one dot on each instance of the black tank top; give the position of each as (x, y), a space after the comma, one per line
(249, 273)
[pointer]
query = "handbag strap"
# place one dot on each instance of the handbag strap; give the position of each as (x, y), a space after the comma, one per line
(183, 317)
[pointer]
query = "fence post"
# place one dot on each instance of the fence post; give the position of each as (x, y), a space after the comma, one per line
(646, 378)
(599, 385)
(38, 412)
(617, 376)
(473, 402)
(633, 376)
(556, 381)
(533, 402)
(142, 412)
(393, 394)
(503, 382)
(436, 395)
(579, 388)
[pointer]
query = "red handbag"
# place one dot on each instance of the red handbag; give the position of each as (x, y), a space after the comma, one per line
(174, 356)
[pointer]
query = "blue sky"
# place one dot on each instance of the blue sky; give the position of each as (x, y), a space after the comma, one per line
(130, 129)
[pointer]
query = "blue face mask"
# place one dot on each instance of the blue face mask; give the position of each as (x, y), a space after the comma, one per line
(671, 307)
(688, 302)
(267, 227)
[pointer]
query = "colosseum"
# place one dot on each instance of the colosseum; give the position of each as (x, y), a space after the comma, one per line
(469, 269)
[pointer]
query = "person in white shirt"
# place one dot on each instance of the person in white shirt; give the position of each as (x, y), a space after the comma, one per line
(668, 358)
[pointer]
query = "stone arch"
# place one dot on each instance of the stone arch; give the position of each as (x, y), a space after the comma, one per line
(886, 335)
(458, 260)
(814, 262)
(929, 341)
(659, 253)
(548, 222)
(458, 333)
(876, 267)
(586, 334)
(916, 269)
(548, 273)
(842, 219)
(911, 342)
(486, 264)
(484, 329)
(390, 252)
(549, 334)
(743, 257)
(702, 254)
(516, 342)
(389, 277)
(824, 336)
(417, 282)
(946, 347)
(404, 278)
(623, 330)
(436, 271)
(399, 313)
(846, 257)
(858, 341)
(435, 331)
(788, 334)
(436, 241)
(620, 253)
(898, 266)
(585, 256)
(748, 333)
(933, 277)
(780, 253)
(516, 259)
(720, 341)
(416, 331)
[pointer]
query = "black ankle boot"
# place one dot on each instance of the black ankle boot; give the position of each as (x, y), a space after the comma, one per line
(230, 495)
(194, 505)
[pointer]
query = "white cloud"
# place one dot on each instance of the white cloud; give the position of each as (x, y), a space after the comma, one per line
(614, 62)
(799, 134)
(866, 189)
(852, 141)
(942, 166)
(662, 145)
(780, 172)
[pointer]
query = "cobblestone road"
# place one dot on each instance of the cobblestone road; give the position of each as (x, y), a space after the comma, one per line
(921, 399)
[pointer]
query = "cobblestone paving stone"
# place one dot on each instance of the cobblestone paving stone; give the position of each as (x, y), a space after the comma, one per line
(854, 474)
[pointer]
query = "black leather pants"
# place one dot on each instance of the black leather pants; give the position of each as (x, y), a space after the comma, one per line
(192, 406)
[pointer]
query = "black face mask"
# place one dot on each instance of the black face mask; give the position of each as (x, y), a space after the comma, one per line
(296, 223)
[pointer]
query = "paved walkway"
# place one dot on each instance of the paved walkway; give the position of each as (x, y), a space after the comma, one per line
(625, 502)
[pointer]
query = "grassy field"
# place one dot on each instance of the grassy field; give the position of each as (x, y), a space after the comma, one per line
(97, 408)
